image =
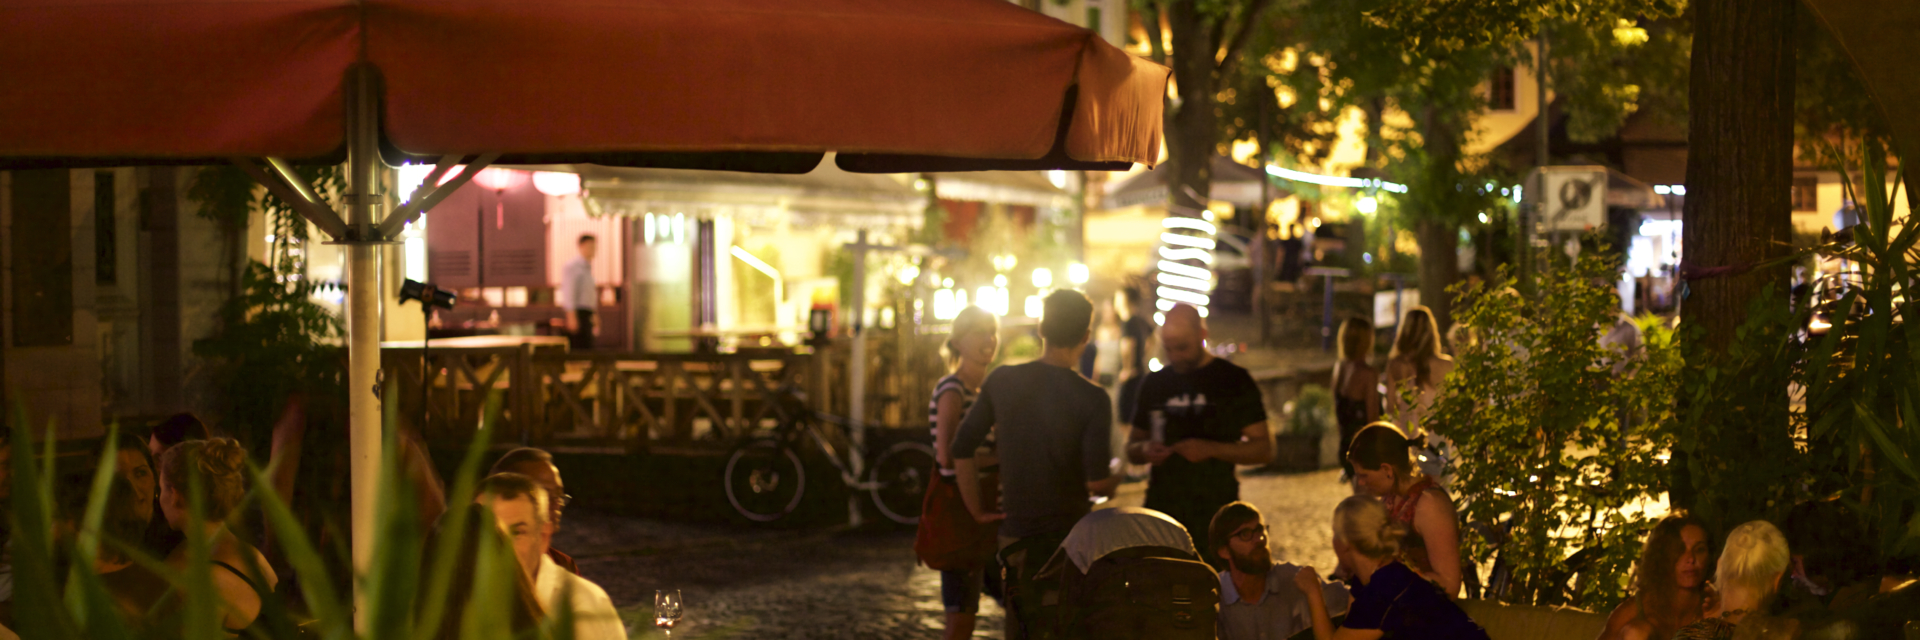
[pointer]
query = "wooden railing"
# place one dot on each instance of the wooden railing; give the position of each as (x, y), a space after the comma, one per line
(632, 401)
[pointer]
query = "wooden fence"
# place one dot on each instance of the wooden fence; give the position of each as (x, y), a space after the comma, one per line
(635, 401)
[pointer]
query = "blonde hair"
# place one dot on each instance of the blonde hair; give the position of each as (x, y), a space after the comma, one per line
(971, 320)
(1356, 339)
(1418, 340)
(1363, 524)
(221, 464)
(1751, 564)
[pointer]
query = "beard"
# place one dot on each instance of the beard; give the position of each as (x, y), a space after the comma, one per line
(1253, 564)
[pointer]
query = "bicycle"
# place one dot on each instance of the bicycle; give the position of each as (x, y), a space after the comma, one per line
(766, 477)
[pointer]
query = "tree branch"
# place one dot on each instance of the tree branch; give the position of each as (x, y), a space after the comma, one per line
(1241, 35)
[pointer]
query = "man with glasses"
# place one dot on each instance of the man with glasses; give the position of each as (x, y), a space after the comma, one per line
(1258, 599)
(538, 466)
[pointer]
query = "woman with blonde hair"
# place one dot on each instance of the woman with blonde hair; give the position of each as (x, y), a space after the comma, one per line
(1748, 578)
(1391, 600)
(1416, 367)
(1417, 363)
(970, 350)
(240, 573)
(1356, 386)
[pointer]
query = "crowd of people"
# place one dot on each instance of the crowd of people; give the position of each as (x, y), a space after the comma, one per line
(1038, 436)
(1024, 452)
(178, 496)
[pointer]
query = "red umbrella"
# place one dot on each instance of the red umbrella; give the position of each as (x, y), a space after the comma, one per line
(926, 85)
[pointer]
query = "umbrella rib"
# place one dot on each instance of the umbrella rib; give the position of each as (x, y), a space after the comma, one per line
(288, 186)
(416, 203)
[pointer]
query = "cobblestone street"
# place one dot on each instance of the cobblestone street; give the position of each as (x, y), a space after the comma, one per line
(743, 582)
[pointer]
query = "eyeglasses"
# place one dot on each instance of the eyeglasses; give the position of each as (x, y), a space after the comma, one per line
(1250, 534)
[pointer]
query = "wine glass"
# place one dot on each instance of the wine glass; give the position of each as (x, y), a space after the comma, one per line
(666, 609)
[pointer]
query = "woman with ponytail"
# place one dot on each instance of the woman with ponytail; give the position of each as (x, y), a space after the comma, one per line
(970, 349)
(1391, 600)
(1383, 469)
(240, 573)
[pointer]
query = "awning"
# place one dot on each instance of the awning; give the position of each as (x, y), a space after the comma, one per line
(825, 196)
(719, 84)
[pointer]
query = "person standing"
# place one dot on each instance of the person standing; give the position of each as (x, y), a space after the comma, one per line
(578, 297)
(1136, 339)
(1197, 418)
(1415, 368)
(1356, 386)
(1055, 434)
(970, 349)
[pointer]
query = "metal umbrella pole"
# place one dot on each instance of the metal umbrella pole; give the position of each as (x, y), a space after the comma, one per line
(363, 322)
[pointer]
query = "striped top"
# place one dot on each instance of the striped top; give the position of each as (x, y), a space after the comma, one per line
(951, 383)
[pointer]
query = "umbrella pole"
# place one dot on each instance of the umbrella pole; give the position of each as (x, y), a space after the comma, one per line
(363, 324)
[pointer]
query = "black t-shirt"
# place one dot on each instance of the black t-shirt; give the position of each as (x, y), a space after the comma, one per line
(1215, 402)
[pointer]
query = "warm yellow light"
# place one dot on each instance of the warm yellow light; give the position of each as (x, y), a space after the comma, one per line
(1042, 277)
(1078, 274)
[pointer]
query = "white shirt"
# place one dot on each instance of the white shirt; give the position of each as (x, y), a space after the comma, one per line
(594, 617)
(577, 290)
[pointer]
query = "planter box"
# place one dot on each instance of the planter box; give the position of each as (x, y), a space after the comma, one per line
(1293, 452)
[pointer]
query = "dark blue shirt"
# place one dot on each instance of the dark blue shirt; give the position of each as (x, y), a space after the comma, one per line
(1400, 603)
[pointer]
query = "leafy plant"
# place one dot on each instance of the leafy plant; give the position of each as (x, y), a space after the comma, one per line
(1311, 412)
(399, 599)
(275, 341)
(1559, 437)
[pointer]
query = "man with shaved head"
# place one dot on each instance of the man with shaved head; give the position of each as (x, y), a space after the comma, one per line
(1196, 418)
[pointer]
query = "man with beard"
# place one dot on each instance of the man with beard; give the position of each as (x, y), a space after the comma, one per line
(1670, 582)
(1259, 600)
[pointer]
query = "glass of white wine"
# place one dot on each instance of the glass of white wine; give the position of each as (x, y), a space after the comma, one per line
(666, 609)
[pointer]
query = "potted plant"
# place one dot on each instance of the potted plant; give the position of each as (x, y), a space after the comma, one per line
(1309, 416)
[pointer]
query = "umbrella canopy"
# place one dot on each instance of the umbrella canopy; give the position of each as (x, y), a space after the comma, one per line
(1878, 36)
(727, 84)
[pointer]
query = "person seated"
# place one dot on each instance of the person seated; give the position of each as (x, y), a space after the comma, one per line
(240, 572)
(1751, 567)
(520, 509)
(538, 466)
(1383, 468)
(1669, 582)
(1833, 556)
(1392, 600)
(133, 586)
(470, 546)
(161, 539)
(1259, 599)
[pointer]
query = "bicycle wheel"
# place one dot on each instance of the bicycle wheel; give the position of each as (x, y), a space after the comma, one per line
(899, 481)
(765, 480)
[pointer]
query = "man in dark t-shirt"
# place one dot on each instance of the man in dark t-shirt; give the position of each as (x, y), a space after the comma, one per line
(1195, 420)
(1054, 432)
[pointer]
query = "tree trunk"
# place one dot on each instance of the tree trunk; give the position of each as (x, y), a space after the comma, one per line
(1738, 212)
(1434, 224)
(1739, 161)
(1439, 265)
(1190, 125)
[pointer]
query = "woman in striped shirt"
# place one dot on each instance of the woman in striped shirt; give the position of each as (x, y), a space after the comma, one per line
(970, 350)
